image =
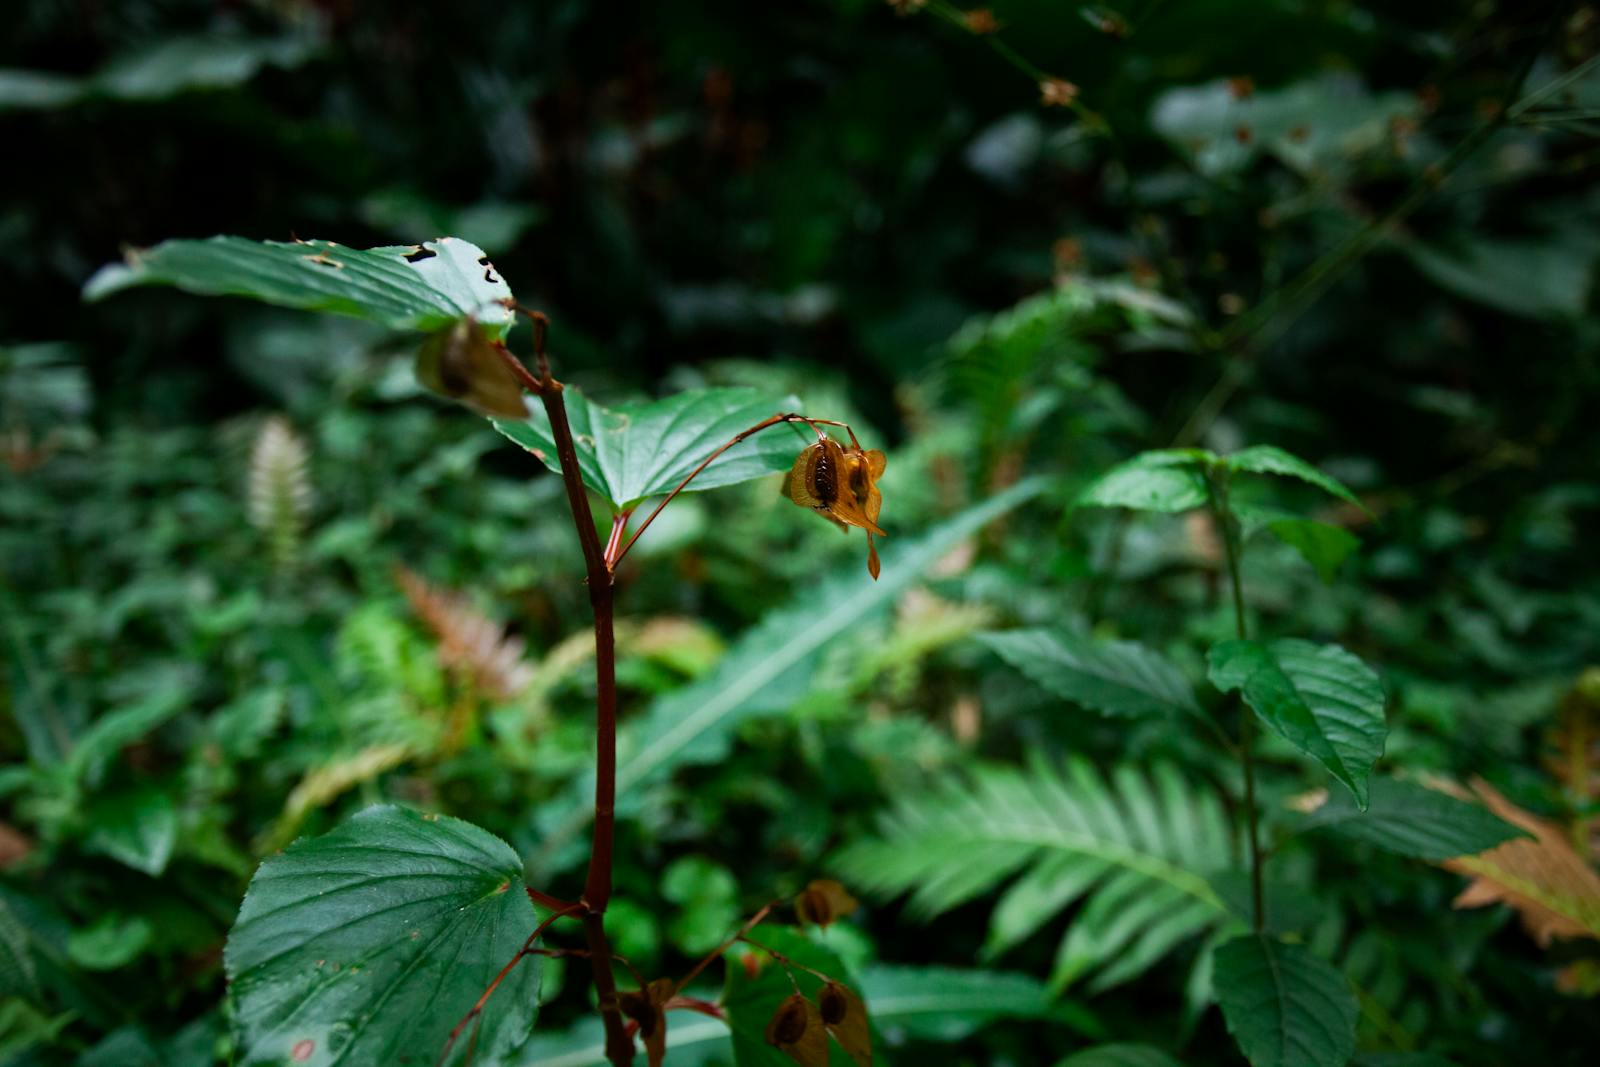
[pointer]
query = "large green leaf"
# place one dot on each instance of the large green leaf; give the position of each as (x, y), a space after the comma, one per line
(1111, 677)
(1283, 1005)
(1321, 544)
(1120, 1055)
(693, 724)
(423, 287)
(1166, 480)
(635, 451)
(1269, 459)
(1322, 699)
(1416, 821)
(1138, 853)
(366, 945)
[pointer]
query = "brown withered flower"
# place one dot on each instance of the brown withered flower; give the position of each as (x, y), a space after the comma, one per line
(840, 484)
(823, 901)
(461, 364)
(796, 1030)
(647, 1008)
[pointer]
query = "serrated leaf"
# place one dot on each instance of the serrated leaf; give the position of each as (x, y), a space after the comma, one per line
(1167, 480)
(368, 944)
(424, 287)
(1269, 459)
(635, 451)
(1283, 1005)
(1111, 677)
(1120, 1055)
(692, 724)
(1321, 544)
(1413, 820)
(1320, 698)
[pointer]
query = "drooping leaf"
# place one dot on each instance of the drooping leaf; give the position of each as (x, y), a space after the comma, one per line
(1269, 459)
(1137, 852)
(1321, 544)
(693, 724)
(370, 943)
(1322, 699)
(424, 287)
(1120, 1055)
(1413, 820)
(633, 451)
(1554, 891)
(1168, 480)
(1111, 677)
(1283, 1005)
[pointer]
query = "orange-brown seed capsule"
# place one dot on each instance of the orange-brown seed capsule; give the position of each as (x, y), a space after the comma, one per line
(823, 901)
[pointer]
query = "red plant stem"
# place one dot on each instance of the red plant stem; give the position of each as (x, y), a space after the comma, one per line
(597, 886)
(545, 900)
(750, 924)
(619, 526)
(704, 1007)
(775, 420)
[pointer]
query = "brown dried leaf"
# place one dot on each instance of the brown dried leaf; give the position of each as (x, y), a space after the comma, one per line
(470, 643)
(845, 1016)
(823, 901)
(461, 364)
(1555, 892)
(1574, 757)
(796, 1030)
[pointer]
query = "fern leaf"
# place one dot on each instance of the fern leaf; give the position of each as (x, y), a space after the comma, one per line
(470, 643)
(1135, 852)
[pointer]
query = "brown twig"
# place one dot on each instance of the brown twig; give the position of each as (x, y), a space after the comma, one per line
(527, 949)
(750, 924)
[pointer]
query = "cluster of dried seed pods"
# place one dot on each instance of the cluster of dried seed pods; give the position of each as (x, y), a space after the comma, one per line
(800, 1027)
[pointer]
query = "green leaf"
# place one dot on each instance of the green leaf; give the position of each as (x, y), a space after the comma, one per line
(635, 451)
(1136, 851)
(692, 724)
(17, 974)
(424, 287)
(1413, 820)
(110, 943)
(366, 945)
(1283, 1005)
(1322, 544)
(108, 734)
(1549, 278)
(1111, 677)
(1269, 459)
(1322, 699)
(1168, 480)
(1120, 1055)
(137, 828)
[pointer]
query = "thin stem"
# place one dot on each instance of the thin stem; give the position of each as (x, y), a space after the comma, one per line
(750, 924)
(775, 420)
(619, 526)
(597, 886)
(1232, 551)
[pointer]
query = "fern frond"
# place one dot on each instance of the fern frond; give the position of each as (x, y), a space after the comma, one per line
(1136, 851)
(470, 642)
(279, 495)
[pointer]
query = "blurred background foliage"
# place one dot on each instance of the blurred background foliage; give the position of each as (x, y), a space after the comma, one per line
(251, 580)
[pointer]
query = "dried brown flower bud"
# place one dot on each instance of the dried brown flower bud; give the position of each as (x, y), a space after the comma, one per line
(1057, 92)
(796, 1030)
(823, 901)
(461, 364)
(981, 20)
(846, 1019)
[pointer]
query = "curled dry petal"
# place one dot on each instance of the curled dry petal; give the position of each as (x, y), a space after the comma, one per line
(841, 485)
(461, 364)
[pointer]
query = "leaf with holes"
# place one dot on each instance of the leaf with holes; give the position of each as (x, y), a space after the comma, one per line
(1283, 1005)
(368, 944)
(1165, 480)
(633, 451)
(1322, 699)
(1111, 677)
(424, 287)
